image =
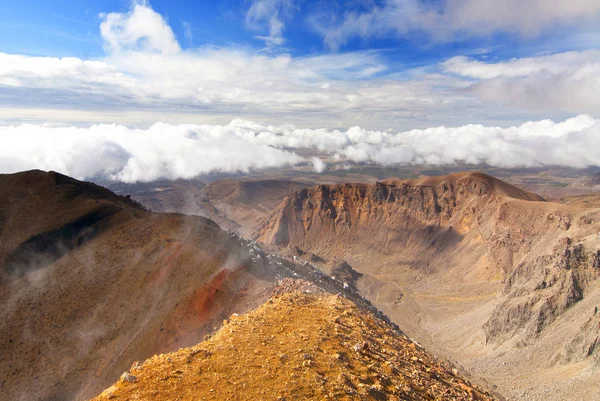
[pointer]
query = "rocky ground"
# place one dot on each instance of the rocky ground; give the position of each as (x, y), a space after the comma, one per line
(302, 344)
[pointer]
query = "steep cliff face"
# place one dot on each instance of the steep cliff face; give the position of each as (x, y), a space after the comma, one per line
(542, 288)
(401, 222)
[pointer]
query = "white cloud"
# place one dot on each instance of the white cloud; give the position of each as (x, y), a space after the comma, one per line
(559, 82)
(327, 89)
(113, 151)
(141, 29)
(271, 13)
(319, 165)
(553, 64)
(448, 19)
(530, 144)
(538, 143)
(147, 77)
(185, 151)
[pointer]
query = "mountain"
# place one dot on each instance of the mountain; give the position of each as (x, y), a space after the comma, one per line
(242, 203)
(301, 344)
(478, 270)
(234, 204)
(91, 281)
(484, 274)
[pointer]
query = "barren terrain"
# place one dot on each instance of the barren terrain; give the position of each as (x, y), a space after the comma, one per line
(300, 345)
(496, 279)
(486, 274)
(91, 281)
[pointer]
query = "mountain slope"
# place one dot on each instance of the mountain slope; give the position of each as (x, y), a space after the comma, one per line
(302, 344)
(30, 221)
(91, 281)
(242, 203)
(473, 267)
(408, 223)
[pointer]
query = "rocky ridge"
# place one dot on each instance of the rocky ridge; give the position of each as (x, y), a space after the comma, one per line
(302, 344)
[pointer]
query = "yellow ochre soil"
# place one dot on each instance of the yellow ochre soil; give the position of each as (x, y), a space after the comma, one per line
(297, 346)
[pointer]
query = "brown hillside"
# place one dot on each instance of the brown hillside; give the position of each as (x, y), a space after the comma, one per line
(91, 281)
(297, 346)
(590, 201)
(28, 207)
(472, 266)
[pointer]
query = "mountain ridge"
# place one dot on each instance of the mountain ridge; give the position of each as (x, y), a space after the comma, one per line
(94, 293)
(301, 344)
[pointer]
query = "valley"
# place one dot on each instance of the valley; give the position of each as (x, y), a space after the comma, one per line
(493, 277)
(495, 280)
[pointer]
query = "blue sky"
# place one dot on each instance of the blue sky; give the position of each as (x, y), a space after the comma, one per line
(385, 64)
(71, 28)
(139, 90)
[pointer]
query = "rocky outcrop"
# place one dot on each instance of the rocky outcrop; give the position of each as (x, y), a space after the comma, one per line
(386, 214)
(299, 345)
(539, 290)
(586, 344)
(407, 222)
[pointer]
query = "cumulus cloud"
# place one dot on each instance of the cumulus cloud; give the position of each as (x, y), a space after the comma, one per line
(531, 144)
(185, 151)
(445, 20)
(140, 29)
(119, 153)
(567, 143)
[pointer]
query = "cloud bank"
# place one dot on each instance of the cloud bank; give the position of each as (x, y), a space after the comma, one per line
(119, 153)
(184, 151)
